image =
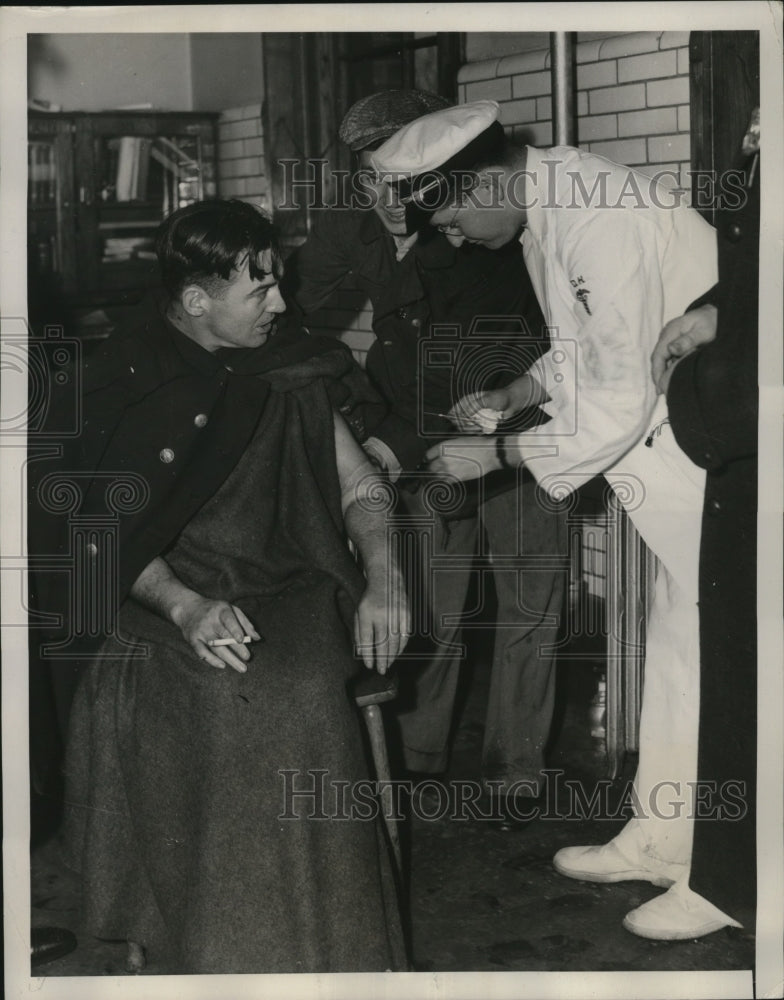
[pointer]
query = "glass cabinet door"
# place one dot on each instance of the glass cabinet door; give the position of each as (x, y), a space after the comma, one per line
(50, 250)
(139, 176)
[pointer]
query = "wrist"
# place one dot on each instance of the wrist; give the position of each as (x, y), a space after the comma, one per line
(179, 605)
(377, 566)
(502, 454)
(519, 393)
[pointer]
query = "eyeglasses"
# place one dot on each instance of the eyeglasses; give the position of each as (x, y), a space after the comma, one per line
(450, 226)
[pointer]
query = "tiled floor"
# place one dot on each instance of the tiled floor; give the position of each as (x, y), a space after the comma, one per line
(488, 900)
(482, 899)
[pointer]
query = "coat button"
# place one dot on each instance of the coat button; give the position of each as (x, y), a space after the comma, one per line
(416, 323)
(387, 343)
(402, 313)
(166, 455)
(734, 232)
(715, 506)
(200, 420)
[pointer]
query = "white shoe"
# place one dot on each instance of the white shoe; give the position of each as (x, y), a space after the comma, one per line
(603, 864)
(677, 915)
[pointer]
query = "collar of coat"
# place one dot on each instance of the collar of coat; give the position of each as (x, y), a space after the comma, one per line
(433, 254)
(157, 352)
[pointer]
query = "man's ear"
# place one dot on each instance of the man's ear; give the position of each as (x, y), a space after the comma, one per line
(489, 192)
(195, 301)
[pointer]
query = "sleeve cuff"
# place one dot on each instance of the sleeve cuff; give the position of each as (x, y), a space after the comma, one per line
(384, 455)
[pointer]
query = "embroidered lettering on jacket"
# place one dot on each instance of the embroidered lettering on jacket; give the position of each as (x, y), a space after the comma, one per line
(582, 292)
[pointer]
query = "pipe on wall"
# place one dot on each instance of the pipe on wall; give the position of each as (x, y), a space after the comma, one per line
(562, 84)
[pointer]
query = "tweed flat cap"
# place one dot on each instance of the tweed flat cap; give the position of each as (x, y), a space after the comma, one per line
(379, 116)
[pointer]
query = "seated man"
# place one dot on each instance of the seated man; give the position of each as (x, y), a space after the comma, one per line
(203, 805)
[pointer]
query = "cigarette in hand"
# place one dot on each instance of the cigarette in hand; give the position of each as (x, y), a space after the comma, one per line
(228, 641)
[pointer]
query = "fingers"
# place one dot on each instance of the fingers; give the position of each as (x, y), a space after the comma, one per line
(684, 344)
(383, 624)
(434, 458)
(464, 413)
(219, 620)
(406, 621)
(246, 623)
(222, 656)
(235, 655)
(496, 399)
(204, 653)
(227, 616)
(661, 352)
(680, 337)
(366, 640)
(487, 420)
(232, 658)
(385, 644)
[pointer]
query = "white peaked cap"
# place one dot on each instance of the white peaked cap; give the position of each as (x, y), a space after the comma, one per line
(432, 141)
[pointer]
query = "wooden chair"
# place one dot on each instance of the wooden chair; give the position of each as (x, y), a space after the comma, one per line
(370, 691)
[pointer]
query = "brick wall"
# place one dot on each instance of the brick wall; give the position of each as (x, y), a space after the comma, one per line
(241, 155)
(632, 106)
(632, 98)
(594, 556)
(348, 316)
(241, 175)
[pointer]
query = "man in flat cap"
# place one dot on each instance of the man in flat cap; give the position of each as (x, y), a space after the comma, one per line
(415, 284)
(613, 256)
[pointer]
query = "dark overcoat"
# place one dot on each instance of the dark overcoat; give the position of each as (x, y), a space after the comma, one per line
(712, 401)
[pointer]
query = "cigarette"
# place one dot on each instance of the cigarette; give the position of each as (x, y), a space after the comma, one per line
(230, 642)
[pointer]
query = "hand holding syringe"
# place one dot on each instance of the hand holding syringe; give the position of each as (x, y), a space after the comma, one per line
(482, 412)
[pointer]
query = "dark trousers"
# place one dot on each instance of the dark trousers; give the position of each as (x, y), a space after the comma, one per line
(524, 534)
(723, 862)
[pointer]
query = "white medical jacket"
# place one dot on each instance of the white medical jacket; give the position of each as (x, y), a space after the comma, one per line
(613, 256)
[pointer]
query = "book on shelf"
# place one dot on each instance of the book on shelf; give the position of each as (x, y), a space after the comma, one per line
(142, 167)
(133, 164)
(122, 248)
(41, 174)
(37, 104)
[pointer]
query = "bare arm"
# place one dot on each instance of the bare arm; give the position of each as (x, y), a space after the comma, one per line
(382, 624)
(200, 619)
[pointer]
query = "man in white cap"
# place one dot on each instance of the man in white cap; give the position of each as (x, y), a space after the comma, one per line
(613, 256)
(414, 283)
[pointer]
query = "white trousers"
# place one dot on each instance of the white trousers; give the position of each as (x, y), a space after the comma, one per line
(663, 492)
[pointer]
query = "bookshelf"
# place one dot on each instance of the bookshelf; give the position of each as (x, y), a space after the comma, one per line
(99, 184)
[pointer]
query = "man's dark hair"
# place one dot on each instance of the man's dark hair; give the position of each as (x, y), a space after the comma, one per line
(203, 243)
